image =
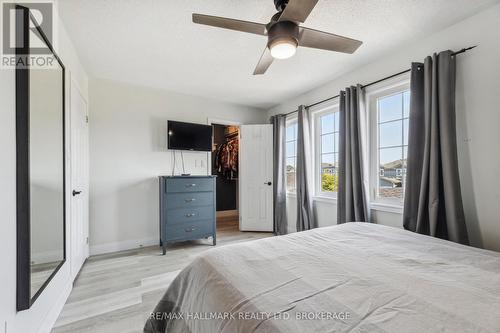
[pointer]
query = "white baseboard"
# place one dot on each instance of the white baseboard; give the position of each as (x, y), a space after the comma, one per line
(228, 213)
(51, 318)
(123, 245)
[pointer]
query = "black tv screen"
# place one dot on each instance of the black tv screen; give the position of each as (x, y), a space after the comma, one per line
(188, 136)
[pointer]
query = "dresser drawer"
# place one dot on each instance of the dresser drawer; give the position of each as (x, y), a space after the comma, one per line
(189, 231)
(187, 215)
(176, 185)
(187, 200)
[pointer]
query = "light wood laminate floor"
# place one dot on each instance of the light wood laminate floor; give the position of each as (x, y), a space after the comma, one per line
(116, 292)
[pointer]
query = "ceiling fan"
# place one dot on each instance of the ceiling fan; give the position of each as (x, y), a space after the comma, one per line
(283, 32)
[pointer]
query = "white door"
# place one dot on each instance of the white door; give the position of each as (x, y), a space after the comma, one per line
(256, 178)
(79, 189)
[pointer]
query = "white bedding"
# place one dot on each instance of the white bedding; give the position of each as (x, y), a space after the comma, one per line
(355, 277)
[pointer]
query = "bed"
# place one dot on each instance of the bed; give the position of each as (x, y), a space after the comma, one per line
(354, 277)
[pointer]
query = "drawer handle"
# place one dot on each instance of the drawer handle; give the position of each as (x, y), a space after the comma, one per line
(190, 200)
(191, 215)
(191, 185)
(190, 229)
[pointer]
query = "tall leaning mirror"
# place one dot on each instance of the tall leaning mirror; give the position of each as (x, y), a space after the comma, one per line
(40, 160)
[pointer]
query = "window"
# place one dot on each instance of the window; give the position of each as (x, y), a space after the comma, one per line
(327, 147)
(291, 156)
(389, 110)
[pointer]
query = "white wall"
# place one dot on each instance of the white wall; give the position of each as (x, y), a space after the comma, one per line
(128, 152)
(478, 117)
(45, 310)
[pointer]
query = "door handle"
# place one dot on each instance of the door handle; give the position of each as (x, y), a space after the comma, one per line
(190, 200)
(191, 185)
(191, 215)
(75, 193)
(268, 183)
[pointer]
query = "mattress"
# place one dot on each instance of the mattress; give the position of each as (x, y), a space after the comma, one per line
(354, 277)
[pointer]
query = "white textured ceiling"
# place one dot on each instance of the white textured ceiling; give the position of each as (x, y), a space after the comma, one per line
(153, 42)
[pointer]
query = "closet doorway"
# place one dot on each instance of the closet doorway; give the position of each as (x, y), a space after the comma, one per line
(225, 165)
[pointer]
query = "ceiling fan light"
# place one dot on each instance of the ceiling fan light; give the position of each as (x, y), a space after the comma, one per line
(283, 48)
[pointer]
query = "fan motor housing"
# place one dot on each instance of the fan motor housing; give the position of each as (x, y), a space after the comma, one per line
(284, 30)
(280, 4)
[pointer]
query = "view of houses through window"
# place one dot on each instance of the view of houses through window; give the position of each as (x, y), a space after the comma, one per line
(329, 141)
(327, 153)
(393, 120)
(291, 156)
(392, 130)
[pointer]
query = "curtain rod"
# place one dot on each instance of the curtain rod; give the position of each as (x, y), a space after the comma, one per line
(378, 81)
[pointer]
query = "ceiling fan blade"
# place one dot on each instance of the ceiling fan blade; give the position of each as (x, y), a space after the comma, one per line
(231, 24)
(298, 10)
(326, 41)
(265, 61)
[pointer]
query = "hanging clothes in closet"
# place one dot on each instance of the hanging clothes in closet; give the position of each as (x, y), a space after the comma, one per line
(226, 158)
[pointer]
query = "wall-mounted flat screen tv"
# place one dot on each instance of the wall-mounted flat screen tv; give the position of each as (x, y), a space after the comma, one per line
(188, 136)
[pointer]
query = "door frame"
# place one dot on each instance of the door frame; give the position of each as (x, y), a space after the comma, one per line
(86, 250)
(212, 121)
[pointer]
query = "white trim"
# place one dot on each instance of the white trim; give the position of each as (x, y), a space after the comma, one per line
(329, 200)
(393, 86)
(50, 319)
(123, 245)
(86, 250)
(383, 207)
(74, 82)
(291, 121)
(334, 102)
(388, 84)
(331, 108)
(211, 121)
(292, 117)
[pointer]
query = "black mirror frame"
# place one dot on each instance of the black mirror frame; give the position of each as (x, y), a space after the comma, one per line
(24, 298)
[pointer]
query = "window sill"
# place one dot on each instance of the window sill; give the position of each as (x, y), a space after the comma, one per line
(378, 206)
(325, 199)
(387, 207)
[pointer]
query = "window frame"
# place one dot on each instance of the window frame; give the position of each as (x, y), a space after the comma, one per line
(332, 107)
(386, 89)
(291, 121)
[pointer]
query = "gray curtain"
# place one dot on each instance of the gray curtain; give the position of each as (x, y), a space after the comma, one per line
(351, 196)
(433, 201)
(305, 216)
(279, 187)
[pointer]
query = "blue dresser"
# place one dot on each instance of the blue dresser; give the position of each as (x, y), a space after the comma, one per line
(187, 208)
